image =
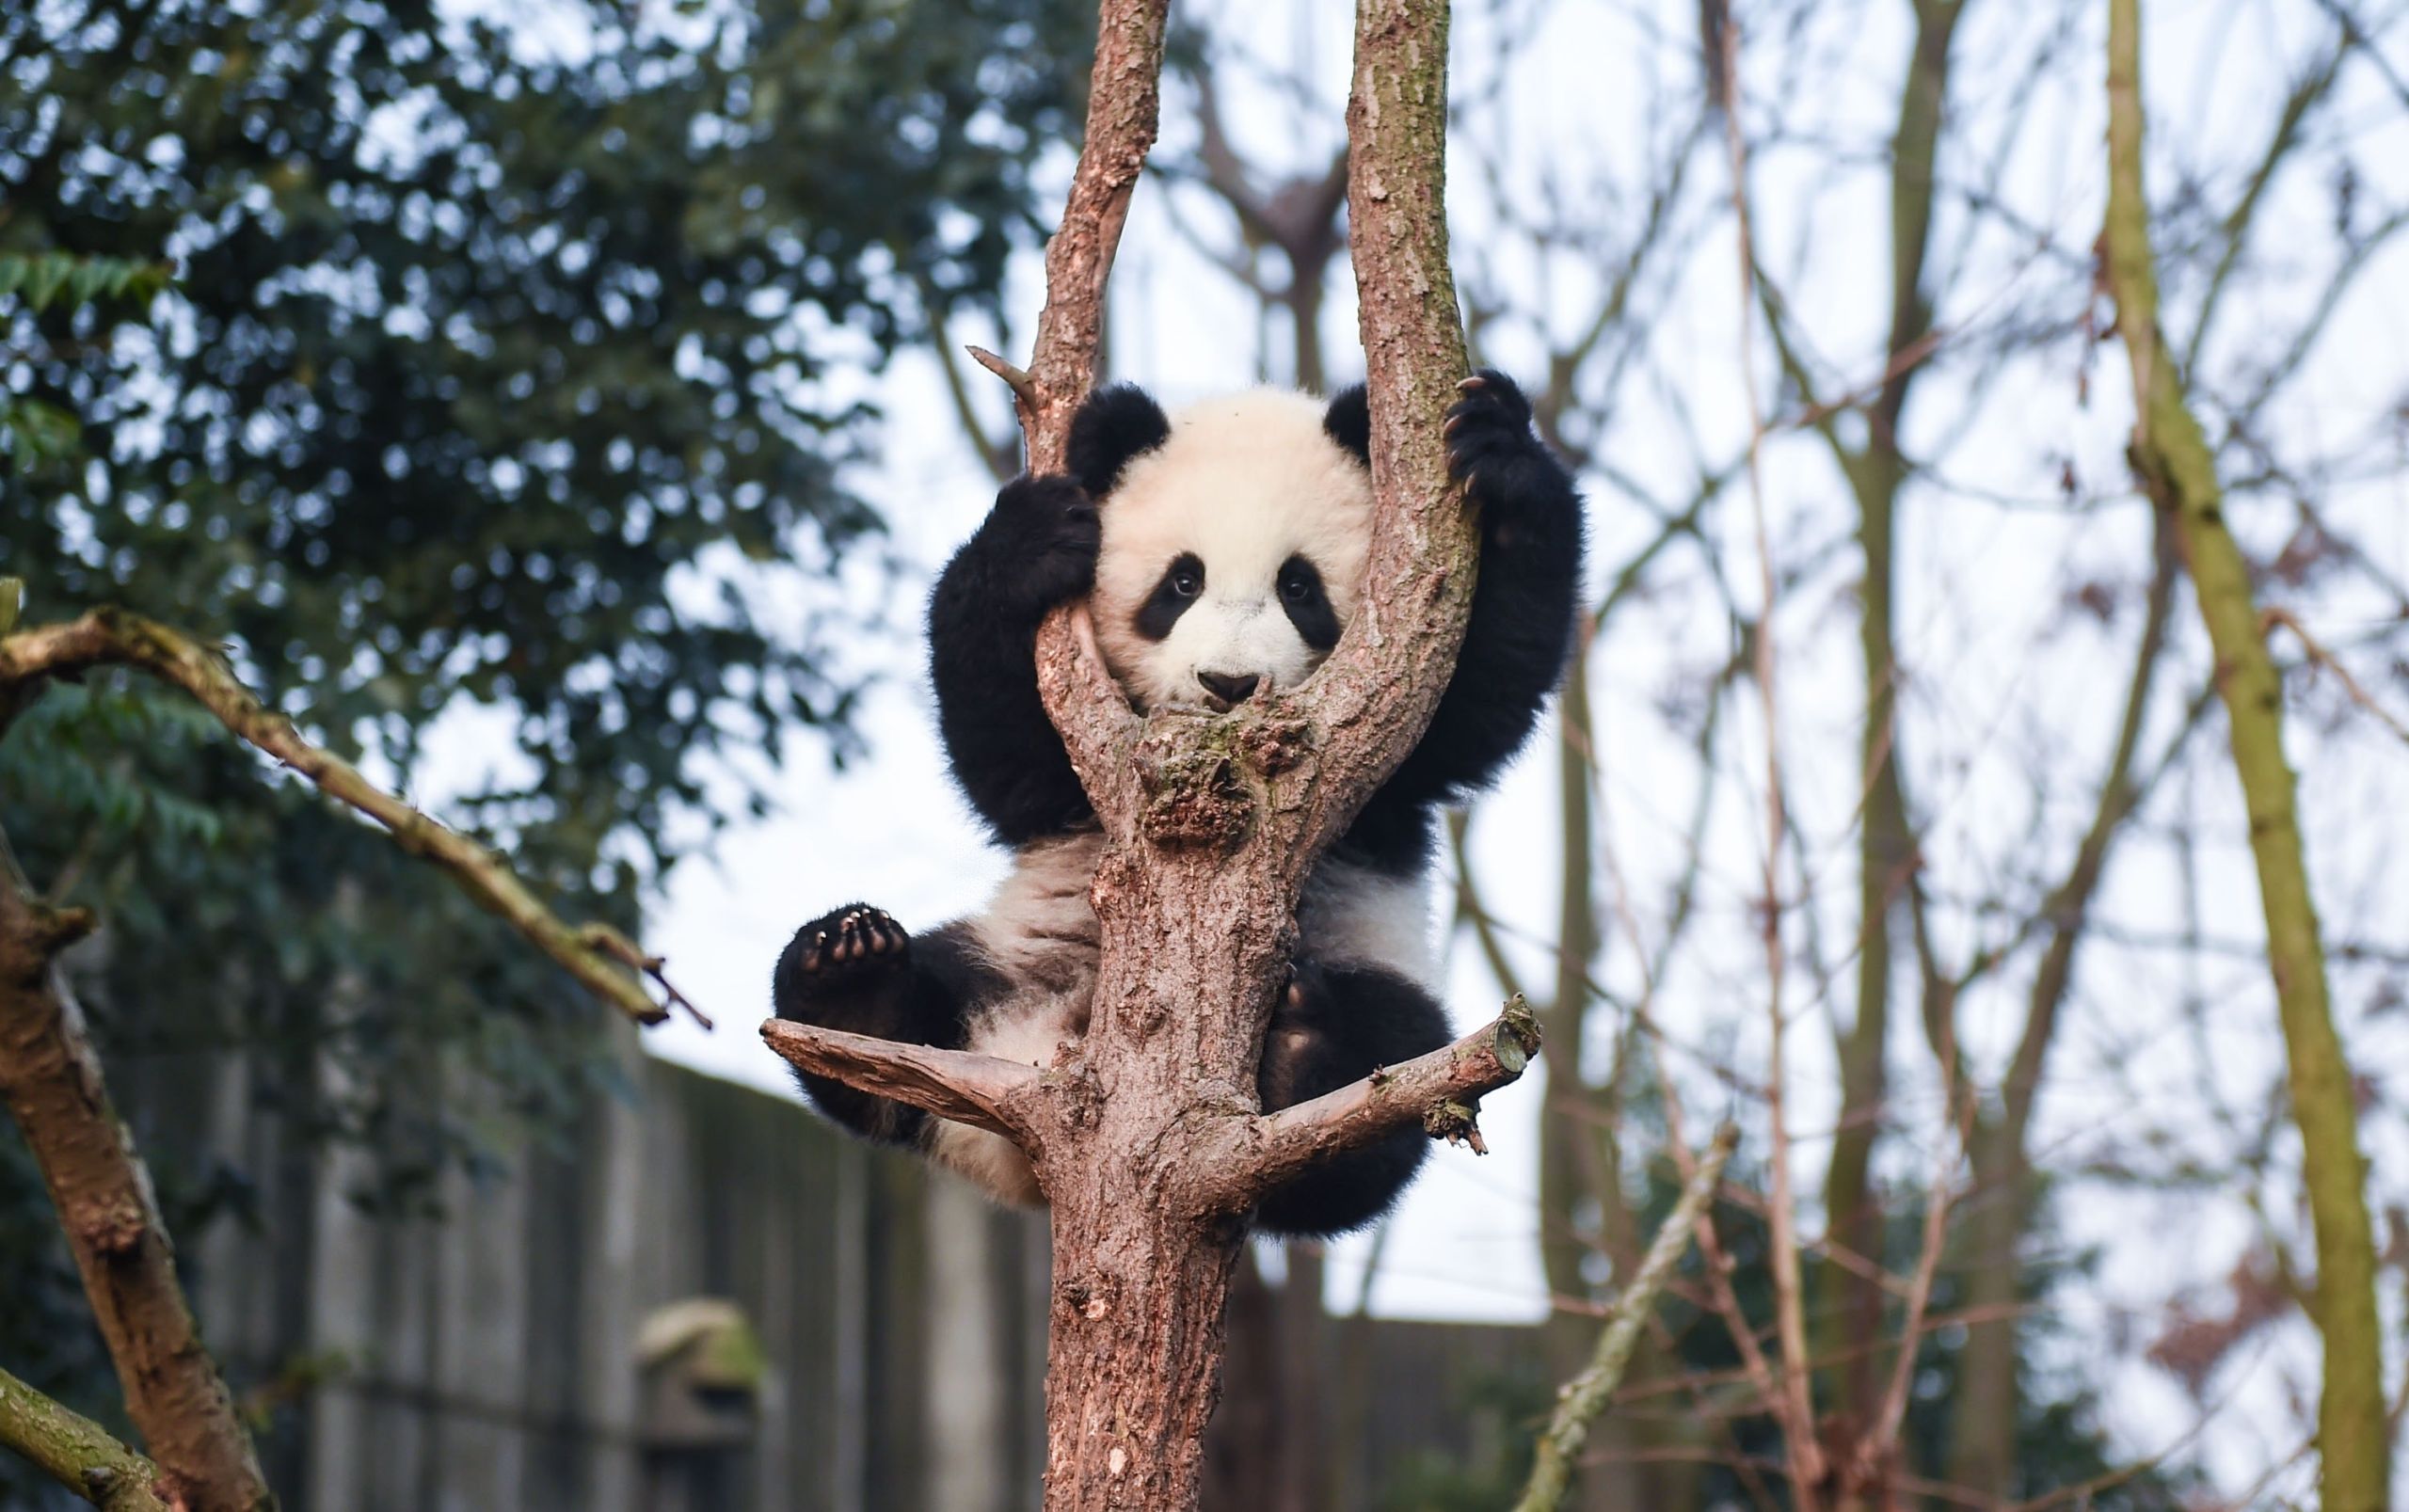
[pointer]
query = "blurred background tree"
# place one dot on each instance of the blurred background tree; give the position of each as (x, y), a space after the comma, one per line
(502, 373)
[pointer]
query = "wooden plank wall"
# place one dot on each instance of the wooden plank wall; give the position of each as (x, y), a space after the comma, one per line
(482, 1357)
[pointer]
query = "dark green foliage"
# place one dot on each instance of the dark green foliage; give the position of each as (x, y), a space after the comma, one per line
(475, 351)
(429, 364)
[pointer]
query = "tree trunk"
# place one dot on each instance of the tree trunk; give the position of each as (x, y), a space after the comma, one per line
(1145, 1136)
(1854, 1303)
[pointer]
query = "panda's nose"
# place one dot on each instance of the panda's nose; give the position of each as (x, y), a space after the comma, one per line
(1231, 688)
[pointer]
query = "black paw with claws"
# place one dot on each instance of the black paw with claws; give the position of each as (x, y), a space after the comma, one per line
(1490, 445)
(1049, 532)
(847, 946)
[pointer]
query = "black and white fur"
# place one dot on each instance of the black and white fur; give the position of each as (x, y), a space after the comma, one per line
(1222, 552)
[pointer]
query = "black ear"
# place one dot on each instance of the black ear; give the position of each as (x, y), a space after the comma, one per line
(1349, 422)
(1113, 425)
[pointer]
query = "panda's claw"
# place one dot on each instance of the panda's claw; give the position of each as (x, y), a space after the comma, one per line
(1467, 384)
(849, 939)
(1048, 530)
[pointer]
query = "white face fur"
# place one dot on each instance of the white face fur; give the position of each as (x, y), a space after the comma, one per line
(1234, 549)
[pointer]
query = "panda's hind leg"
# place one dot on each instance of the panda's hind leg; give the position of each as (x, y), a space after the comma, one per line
(857, 969)
(1334, 1025)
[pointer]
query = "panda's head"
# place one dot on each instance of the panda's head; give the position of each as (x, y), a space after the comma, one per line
(1234, 538)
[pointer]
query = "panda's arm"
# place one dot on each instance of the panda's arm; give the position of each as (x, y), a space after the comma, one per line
(1520, 634)
(1036, 549)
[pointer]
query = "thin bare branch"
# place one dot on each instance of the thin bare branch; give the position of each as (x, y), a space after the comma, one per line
(1806, 1455)
(2270, 618)
(1580, 1399)
(596, 954)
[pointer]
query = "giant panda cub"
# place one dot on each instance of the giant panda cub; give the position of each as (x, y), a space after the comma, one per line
(1222, 552)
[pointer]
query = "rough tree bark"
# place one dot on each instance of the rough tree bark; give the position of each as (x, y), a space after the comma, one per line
(51, 1081)
(1146, 1137)
(2173, 459)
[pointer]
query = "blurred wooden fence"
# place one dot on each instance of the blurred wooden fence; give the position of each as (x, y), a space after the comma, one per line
(486, 1360)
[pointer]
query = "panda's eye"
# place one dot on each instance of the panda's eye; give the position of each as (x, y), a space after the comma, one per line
(1295, 590)
(1187, 578)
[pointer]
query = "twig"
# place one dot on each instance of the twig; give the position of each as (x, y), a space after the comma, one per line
(1024, 387)
(76, 1452)
(594, 954)
(1582, 1399)
(1881, 1440)
(1719, 1265)
(2270, 618)
(51, 1081)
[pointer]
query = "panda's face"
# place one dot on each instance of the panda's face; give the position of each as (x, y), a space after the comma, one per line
(1232, 554)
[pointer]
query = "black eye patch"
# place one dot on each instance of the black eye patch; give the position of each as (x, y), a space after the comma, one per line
(1307, 603)
(1181, 583)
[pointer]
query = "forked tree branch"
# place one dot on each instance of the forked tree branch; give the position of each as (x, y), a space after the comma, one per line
(1143, 1139)
(76, 1452)
(51, 1081)
(596, 954)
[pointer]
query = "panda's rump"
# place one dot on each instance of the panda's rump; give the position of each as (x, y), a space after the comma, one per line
(1040, 936)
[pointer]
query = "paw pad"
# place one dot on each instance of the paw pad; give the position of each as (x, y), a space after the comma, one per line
(855, 937)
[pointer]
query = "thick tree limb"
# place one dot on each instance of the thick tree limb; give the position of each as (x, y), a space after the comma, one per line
(980, 1091)
(596, 954)
(50, 1079)
(1123, 100)
(1439, 1090)
(2174, 460)
(76, 1452)
(1580, 1400)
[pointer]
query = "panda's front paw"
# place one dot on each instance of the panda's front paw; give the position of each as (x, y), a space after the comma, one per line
(1492, 449)
(844, 950)
(1047, 531)
(1297, 1051)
